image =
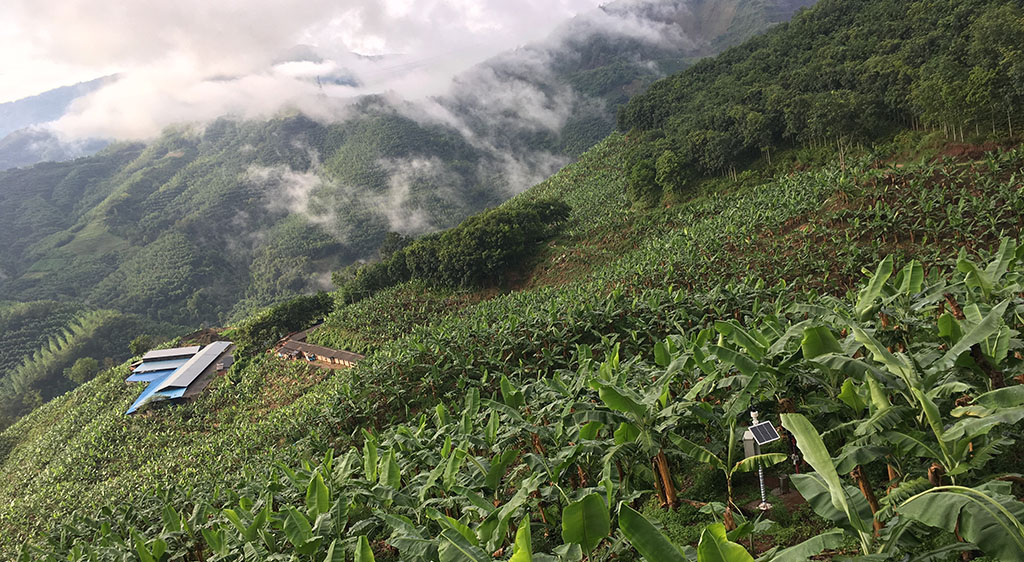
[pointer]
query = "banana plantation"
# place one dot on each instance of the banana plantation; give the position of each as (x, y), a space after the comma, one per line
(598, 413)
(898, 405)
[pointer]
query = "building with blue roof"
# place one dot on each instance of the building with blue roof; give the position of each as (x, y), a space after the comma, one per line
(180, 373)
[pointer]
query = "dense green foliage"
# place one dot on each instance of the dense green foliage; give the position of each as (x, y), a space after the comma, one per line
(478, 252)
(845, 72)
(265, 328)
(522, 336)
(367, 325)
(84, 369)
(428, 484)
(25, 327)
(208, 224)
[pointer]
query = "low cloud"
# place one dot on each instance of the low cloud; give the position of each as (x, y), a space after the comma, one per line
(296, 192)
(397, 205)
(462, 65)
(195, 60)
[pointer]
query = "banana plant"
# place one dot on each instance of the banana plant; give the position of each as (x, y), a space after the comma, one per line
(714, 545)
(823, 489)
(922, 380)
(586, 522)
(645, 419)
(987, 516)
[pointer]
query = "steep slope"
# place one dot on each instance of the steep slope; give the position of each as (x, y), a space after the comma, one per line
(636, 323)
(847, 73)
(521, 336)
(292, 199)
(578, 77)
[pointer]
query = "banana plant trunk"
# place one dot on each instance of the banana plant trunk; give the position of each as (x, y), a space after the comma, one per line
(893, 475)
(935, 474)
(657, 483)
(869, 494)
(664, 473)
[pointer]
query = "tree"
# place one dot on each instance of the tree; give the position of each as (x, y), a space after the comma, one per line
(83, 370)
(643, 184)
(670, 173)
(141, 344)
(757, 133)
(393, 242)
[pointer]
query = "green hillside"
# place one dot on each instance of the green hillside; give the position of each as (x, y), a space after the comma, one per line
(541, 335)
(207, 224)
(585, 395)
(41, 341)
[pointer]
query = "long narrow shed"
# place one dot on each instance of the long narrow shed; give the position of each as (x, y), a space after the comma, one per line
(168, 354)
(293, 349)
(199, 362)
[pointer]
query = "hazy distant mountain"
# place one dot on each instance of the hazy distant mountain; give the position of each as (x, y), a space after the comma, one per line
(45, 107)
(24, 139)
(29, 146)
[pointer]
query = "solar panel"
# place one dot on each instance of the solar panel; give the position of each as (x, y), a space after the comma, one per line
(764, 433)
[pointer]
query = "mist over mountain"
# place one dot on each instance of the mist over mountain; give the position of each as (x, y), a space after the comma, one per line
(259, 186)
(811, 238)
(47, 106)
(26, 136)
(317, 186)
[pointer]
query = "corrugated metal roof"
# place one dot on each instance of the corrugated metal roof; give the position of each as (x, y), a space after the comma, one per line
(149, 367)
(175, 353)
(146, 395)
(320, 351)
(149, 377)
(195, 366)
(170, 393)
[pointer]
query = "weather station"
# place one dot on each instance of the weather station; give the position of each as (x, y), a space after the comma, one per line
(754, 437)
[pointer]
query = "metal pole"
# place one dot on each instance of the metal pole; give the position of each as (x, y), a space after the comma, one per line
(764, 505)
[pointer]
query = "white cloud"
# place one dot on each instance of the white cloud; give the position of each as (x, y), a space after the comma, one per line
(48, 43)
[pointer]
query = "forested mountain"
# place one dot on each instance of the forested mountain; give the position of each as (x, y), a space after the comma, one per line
(211, 221)
(578, 388)
(848, 73)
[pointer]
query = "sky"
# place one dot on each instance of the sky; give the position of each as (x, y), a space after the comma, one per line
(162, 46)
